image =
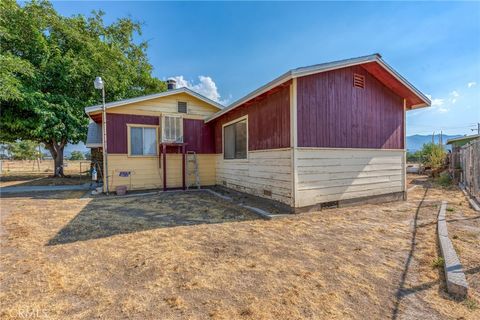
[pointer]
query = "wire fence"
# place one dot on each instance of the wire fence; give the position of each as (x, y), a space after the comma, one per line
(470, 166)
(9, 167)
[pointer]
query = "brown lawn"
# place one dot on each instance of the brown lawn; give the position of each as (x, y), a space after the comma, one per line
(194, 256)
(41, 179)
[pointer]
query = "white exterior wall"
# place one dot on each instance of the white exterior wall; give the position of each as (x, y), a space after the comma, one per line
(325, 175)
(269, 170)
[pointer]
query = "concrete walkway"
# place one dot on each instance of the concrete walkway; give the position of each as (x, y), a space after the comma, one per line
(26, 189)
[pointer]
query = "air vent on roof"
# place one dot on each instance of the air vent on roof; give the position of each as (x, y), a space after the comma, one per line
(182, 107)
(358, 81)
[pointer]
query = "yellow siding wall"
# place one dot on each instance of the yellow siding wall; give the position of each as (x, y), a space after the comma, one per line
(147, 174)
(197, 109)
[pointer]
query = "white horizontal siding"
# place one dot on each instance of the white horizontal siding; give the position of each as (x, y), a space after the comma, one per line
(263, 170)
(339, 174)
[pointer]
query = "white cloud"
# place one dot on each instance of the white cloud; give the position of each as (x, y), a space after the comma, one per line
(205, 86)
(435, 102)
(471, 84)
(453, 96)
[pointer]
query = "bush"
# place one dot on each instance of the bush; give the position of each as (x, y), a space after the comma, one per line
(444, 180)
(432, 155)
(77, 155)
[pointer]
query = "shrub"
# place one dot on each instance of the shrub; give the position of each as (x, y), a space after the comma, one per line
(433, 155)
(444, 180)
(438, 263)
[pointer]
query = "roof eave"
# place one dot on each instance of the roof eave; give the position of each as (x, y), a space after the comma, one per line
(99, 107)
(324, 67)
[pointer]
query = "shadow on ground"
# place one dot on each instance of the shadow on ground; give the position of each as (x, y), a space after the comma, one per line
(107, 217)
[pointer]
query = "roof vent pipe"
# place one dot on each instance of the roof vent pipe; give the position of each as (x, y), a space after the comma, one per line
(171, 84)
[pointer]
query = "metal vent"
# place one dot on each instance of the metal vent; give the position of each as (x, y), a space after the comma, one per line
(329, 205)
(358, 81)
(182, 107)
(267, 193)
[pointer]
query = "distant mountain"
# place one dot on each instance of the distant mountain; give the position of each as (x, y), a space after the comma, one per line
(416, 141)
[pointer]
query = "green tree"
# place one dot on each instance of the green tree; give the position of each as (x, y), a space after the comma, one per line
(47, 66)
(433, 155)
(77, 155)
(23, 150)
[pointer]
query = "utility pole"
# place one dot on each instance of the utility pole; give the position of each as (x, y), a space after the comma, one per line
(478, 128)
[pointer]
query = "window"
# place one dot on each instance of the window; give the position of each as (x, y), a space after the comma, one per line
(182, 107)
(172, 129)
(143, 141)
(235, 140)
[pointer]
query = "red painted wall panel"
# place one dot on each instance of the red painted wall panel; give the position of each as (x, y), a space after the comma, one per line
(332, 113)
(268, 121)
(117, 130)
(198, 136)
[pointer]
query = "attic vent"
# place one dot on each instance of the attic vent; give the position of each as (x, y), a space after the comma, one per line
(182, 107)
(358, 81)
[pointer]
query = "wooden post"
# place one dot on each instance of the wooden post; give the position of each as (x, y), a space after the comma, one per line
(164, 154)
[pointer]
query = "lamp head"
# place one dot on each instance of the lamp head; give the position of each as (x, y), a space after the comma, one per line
(98, 83)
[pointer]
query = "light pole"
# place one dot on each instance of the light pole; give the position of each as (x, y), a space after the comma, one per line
(98, 83)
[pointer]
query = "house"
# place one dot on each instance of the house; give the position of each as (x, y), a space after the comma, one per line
(323, 134)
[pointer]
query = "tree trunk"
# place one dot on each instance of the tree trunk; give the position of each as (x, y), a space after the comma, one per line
(56, 150)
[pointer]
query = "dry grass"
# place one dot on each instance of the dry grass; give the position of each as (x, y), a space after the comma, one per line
(41, 179)
(166, 257)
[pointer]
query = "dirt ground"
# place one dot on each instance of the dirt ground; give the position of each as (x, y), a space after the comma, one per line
(194, 256)
(41, 179)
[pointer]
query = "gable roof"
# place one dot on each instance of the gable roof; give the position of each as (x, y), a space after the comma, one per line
(154, 96)
(372, 61)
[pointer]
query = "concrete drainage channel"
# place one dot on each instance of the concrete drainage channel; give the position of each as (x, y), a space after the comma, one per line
(455, 278)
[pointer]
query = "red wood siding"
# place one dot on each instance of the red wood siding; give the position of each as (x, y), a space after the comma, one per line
(117, 130)
(198, 136)
(332, 113)
(268, 121)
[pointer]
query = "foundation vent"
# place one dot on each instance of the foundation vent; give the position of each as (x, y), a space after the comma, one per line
(358, 81)
(267, 193)
(329, 205)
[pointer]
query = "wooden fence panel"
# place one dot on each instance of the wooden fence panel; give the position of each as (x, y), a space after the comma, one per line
(470, 163)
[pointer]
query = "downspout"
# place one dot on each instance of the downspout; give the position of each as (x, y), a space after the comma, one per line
(293, 140)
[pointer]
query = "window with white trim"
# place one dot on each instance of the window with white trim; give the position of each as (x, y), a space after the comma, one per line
(172, 129)
(235, 140)
(143, 141)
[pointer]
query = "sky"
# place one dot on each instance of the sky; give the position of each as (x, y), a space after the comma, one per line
(225, 50)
